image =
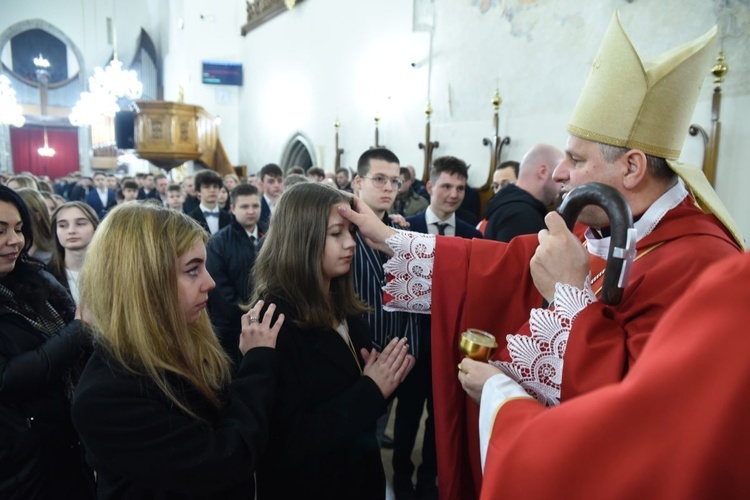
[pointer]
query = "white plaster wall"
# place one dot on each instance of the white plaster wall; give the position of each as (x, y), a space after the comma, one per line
(329, 58)
(210, 31)
(351, 59)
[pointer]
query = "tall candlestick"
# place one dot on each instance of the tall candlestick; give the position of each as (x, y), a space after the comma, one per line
(339, 151)
(427, 145)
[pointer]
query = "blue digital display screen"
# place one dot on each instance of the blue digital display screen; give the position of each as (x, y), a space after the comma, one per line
(222, 73)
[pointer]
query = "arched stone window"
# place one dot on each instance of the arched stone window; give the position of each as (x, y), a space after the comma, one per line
(298, 152)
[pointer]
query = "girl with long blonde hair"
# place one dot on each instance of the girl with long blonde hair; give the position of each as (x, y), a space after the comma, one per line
(155, 408)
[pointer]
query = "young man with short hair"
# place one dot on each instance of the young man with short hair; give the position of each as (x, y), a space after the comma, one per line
(408, 202)
(377, 182)
(271, 184)
(208, 214)
(161, 183)
(230, 257)
(342, 180)
(112, 182)
(190, 199)
(316, 174)
(101, 199)
(129, 190)
(147, 188)
(174, 197)
(447, 187)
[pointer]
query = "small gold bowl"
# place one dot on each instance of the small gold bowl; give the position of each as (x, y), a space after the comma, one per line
(477, 344)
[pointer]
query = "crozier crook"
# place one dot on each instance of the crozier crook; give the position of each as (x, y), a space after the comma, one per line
(622, 246)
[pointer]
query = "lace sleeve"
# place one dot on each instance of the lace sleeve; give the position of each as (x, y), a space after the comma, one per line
(537, 360)
(411, 271)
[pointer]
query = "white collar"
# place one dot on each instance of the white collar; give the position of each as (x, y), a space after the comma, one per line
(253, 233)
(431, 218)
(646, 224)
(204, 208)
(271, 203)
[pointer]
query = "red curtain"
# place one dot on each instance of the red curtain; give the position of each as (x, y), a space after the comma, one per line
(27, 140)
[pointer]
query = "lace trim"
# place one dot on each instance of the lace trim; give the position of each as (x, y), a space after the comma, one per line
(537, 360)
(411, 267)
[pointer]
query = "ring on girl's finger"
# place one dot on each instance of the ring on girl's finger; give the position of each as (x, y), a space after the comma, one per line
(461, 369)
(253, 319)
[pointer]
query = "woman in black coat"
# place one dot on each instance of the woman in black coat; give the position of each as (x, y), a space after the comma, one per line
(157, 412)
(332, 386)
(42, 349)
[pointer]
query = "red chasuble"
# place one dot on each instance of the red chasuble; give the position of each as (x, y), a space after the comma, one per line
(675, 427)
(487, 285)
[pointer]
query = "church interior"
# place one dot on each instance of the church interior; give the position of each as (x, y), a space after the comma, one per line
(177, 86)
(316, 82)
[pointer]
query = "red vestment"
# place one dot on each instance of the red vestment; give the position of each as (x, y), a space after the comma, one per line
(487, 285)
(675, 427)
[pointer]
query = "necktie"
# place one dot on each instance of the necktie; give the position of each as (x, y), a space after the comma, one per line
(441, 227)
(210, 214)
(254, 241)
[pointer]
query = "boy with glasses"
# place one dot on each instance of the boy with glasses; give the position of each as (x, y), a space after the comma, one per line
(377, 183)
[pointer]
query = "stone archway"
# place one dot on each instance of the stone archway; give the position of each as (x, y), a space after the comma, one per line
(298, 152)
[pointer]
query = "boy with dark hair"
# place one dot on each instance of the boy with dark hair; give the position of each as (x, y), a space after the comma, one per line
(272, 184)
(174, 197)
(208, 214)
(316, 174)
(129, 190)
(230, 257)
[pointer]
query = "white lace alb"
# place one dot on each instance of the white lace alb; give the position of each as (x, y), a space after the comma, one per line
(411, 267)
(537, 360)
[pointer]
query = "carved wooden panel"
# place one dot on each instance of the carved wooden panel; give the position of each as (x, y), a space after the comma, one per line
(166, 133)
(260, 11)
(170, 133)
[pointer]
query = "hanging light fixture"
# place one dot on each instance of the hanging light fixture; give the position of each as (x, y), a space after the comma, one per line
(106, 87)
(46, 151)
(10, 111)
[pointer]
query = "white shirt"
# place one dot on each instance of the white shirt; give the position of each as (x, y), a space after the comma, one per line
(431, 219)
(73, 283)
(271, 204)
(253, 235)
(103, 196)
(212, 222)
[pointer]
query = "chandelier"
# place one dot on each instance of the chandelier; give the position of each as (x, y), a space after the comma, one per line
(106, 87)
(10, 111)
(46, 151)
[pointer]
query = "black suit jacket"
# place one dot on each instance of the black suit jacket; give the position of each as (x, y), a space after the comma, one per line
(142, 195)
(323, 429)
(265, 213)
(230, 257)
(93, 200)
(418, 223)
(190, 203)
(225, 218)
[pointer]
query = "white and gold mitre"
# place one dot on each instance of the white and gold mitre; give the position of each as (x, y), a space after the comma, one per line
(647, 106)
(629, 103)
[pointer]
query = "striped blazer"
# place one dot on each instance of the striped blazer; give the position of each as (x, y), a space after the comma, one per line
(369, 279)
